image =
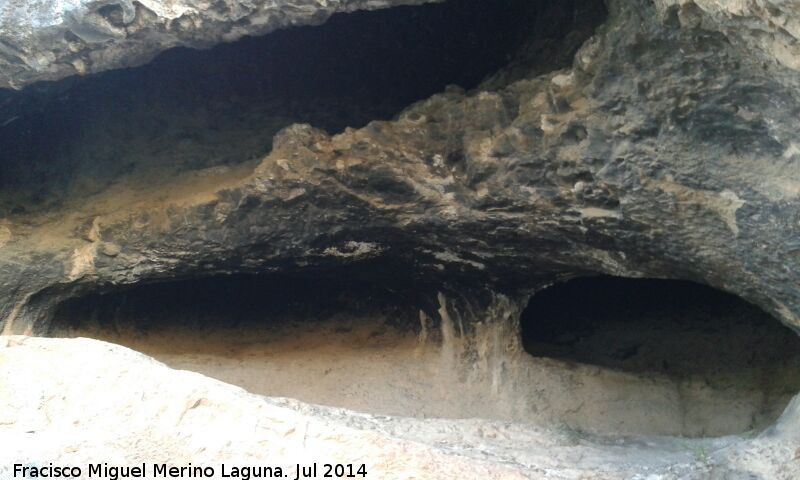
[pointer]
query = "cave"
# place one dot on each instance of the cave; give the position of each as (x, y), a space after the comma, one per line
(470, 238)
(603, 355)
(719, 364)
(339, 338)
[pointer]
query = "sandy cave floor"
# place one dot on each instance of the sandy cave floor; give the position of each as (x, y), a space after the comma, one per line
(373, 367)
(138, 401)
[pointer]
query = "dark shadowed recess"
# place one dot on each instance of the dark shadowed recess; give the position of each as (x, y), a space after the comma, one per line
(190, 109)
(236, 301)
(667, 327)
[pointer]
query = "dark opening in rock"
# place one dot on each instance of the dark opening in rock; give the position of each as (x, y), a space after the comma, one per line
(231, 302)
(607, 355)
(718, 363)
(193, 110)
(334, 340)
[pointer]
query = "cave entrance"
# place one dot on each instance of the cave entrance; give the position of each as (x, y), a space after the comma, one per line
(663, 356)
(324, 339)
(216, 111)
(604, 355)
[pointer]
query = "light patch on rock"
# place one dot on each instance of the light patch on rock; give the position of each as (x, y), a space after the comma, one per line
(792, 151)
(450, 257)
(452, 346)
(425, 326)
(777, 189)
(595, 212)
(549, 123)
(610, 262)
(5, 235)
(8, 322)
(731, 203)
(787, 315)
(110, 249)
(450, 211)
(343, 163)
(725, 203)
(353, 249)
(292, 194)
(82, 261)
(564, 80)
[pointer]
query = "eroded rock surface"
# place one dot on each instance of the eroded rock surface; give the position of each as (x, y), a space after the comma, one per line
(667, 150)
(769, 28)
(662, 143)
(51, 40)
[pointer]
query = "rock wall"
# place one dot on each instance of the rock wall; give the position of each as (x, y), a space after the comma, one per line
(52, 40)
(667, 150)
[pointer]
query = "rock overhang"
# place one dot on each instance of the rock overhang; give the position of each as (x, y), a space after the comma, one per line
(47, 41)
(583, 152)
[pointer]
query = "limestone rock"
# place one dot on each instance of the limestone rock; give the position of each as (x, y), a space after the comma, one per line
(62, 405)
(667, 150)
(665, 147)
(49, 40)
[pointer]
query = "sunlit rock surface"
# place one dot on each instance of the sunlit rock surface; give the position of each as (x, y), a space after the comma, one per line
(75, 402)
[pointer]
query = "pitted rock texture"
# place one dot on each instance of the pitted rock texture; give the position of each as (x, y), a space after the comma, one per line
(667, 150)
(769, 27)
(49, 40)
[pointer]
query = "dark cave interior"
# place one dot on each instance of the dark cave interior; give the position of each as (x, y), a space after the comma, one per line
(626, 346)
(236, 301)
(691, 336)
(667, 327)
